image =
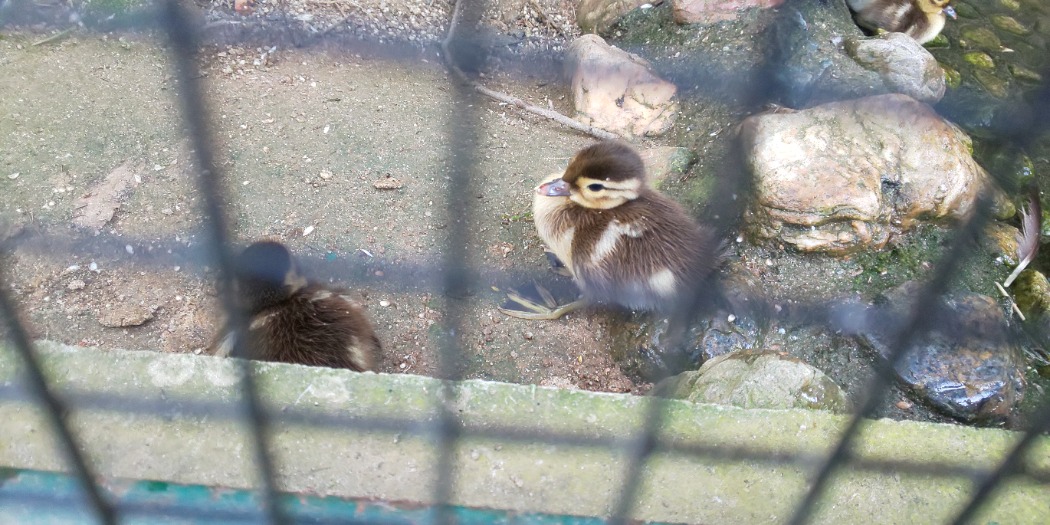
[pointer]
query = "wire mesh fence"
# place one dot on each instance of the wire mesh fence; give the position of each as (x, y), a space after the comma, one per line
(455, 275)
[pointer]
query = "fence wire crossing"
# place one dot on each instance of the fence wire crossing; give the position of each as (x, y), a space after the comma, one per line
(455, 274)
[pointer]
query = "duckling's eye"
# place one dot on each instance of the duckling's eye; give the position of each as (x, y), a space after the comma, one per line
(595, 187)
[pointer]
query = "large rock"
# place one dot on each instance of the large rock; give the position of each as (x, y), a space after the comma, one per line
(614, 90)
(965, 367)
(597, 16)
(843, 176)
(757, 380)
(712, 11)
(903, 63)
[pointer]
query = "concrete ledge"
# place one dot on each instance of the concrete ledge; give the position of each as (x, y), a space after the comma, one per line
(138, 416)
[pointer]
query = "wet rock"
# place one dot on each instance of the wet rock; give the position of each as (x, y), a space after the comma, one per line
(597, 16)
(808, 63)
(124, 315)
(1025, 75)
(903, 64)
(708, 12)
(843, 176)
(965, 367)
(979, 60)
(991, 82)
(1010, 25)
(980, 38)
(664, 161)
(758, 380)
(1032, 293)
(1002, 239)
(615, 90)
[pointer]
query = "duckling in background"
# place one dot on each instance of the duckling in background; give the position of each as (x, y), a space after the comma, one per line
(294, 321)
(623, 242)
(920, 19)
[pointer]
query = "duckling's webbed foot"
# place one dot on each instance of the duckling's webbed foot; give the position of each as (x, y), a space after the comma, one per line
(542, 307)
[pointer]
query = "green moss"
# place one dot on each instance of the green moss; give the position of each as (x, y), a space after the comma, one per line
(951, 77)
(979, 60)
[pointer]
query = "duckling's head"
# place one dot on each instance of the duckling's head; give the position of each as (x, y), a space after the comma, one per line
(601, 176)
(265, 274)
(937, 6)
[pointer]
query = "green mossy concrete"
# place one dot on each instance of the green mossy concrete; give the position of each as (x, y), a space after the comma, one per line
(396, 462)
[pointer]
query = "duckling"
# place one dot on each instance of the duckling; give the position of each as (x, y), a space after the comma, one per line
(920, 19)
(623, 242)
(294, 321)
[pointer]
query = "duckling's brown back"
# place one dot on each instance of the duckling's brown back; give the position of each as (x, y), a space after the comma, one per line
(318, 327)
(658, 253)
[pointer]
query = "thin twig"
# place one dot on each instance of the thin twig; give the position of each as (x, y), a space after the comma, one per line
(54, 38)
(1013, 305)
(514, 101)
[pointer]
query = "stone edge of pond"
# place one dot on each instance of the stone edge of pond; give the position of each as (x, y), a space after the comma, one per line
(141, 421)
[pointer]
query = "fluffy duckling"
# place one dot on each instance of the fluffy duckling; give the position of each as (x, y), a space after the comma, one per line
(294, 321)
(920, 19)
(623, 242)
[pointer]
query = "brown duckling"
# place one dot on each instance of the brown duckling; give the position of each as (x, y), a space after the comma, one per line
(920, 19)
(294, 321)
(623, 242)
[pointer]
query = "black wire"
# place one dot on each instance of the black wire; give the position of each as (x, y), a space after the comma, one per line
(456, 271)
(55, 410)
(184, 43)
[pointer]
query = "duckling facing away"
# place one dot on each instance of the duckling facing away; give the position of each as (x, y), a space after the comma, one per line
(920, 19)
(623, 242)
(294, 321)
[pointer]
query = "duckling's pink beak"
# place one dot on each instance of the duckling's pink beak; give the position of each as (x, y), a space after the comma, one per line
(950, 11)
(554, 188)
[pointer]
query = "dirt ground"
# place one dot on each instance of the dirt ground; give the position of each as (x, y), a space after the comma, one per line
(307, 140)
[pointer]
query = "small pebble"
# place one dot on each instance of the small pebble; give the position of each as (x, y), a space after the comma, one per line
(384, 303)
(130, 249)
(308, 230)
(13, 176)
(528, 336)
(903, 405)
(93, 267)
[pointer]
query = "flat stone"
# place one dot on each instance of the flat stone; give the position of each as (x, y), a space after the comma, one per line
(712, 11)
(1024, 74)
(758, 380)
(979, 60)
(1010, 25)
(615, 90)
(990, 81)
(981, 37)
